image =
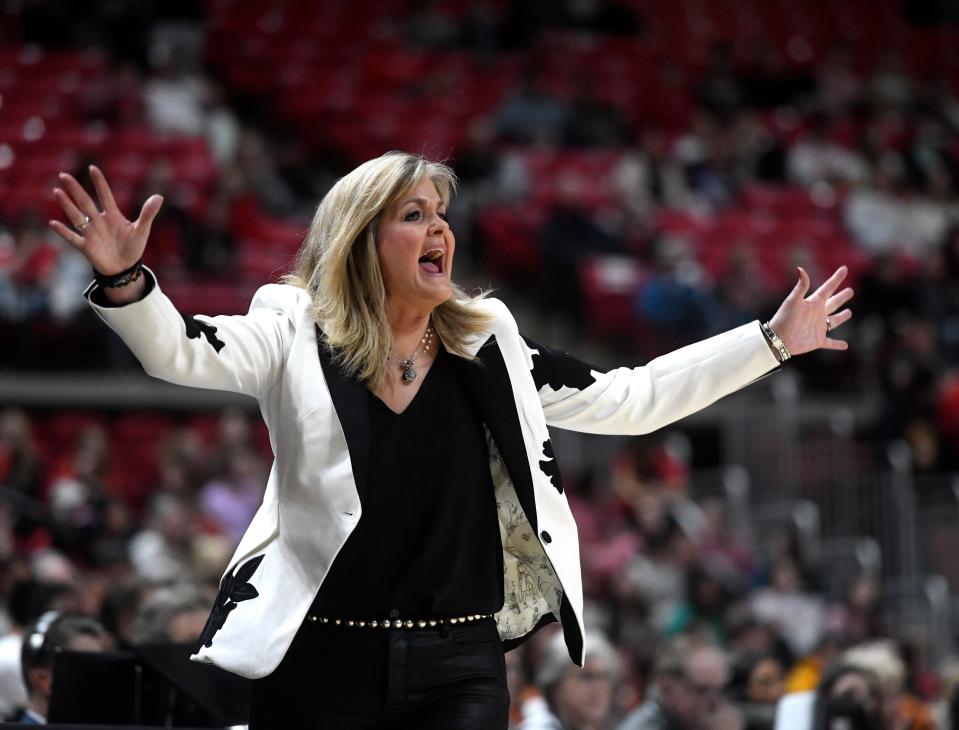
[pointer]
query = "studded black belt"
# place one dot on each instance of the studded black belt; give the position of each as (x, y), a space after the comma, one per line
(398, 623)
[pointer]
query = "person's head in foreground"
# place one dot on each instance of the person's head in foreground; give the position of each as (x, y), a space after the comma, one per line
(52, 633)
(849, 697)
(580, 697)
(689, 681)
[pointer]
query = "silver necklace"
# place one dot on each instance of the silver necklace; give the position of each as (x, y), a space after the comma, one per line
(409, 372)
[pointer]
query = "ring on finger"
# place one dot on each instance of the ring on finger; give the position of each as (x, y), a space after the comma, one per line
(86, 221)
(828, 324)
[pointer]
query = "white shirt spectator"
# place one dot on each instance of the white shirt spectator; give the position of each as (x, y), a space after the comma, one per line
(875, 219)
(176, 105)
(13, 693)
(797, 616)
(815, 160)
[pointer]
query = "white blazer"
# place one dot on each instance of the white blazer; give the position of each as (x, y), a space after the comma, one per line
(317, 422)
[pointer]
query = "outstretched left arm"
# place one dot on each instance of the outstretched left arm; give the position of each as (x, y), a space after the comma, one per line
(627, 401)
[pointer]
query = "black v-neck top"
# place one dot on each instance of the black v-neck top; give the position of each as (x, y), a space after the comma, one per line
(427, 543)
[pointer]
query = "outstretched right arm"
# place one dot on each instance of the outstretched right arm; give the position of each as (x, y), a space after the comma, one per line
(242, 354)
(239, 353)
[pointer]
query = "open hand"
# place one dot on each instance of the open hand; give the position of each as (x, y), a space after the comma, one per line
(803, 323)
(109, 241)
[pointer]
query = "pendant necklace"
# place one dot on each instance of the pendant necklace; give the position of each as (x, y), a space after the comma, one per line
(409, 372)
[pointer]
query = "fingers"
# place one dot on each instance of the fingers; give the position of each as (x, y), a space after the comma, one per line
(103, 191)
(836, 320)
(839, 318)
(80, 197)
(74, 214)
(70, 236)
(831, 344)
(802, 286)
(832, 283)
(837, 300)
(149, 211)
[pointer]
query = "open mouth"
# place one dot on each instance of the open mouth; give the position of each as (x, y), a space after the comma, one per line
(432, 261)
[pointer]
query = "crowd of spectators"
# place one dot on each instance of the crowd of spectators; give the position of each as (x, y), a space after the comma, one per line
(705, 628)
(696, 624)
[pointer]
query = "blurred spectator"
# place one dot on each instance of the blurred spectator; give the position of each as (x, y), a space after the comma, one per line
(930, 215)
(858, 618)
(848, 697)
(875, 214)
(672, 298)
(750, 637)
(838, 86)
(703, 612)
(719, 89)
(768, 80)
(479, 33)
(741, 293)
(687, 692)
(54, 632)
(174, 97)
(796, 612)
(171, 615)
(121, 606)
(34, 267)
(579, 698)
(108, 548)
(78, 493)
(890, 85)
(120, 98)
(569, 235)
(19, 461)
(162, 551)
(171, 233)
(946, 710)
(257, 176)
(231, 500)
(518, 685)
(26, 602)
(211, 247)
(756, 686)
(807, 672)
(184, 461)
(591, 121)
(655, 579)
(817, 158)
(70, 275)
(898, 708)
(708, 154)
(911, 362)
(647, 177)
(222, 129)
(531, 115)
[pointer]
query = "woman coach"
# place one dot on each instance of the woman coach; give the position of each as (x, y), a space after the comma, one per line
(414, 523)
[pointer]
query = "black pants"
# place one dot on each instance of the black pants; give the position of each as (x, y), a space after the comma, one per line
(350, 678)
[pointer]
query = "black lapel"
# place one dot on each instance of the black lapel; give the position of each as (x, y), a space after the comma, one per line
(352, 409)
(488, 385)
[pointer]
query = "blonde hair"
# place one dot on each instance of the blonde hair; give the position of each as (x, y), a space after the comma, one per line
(339, 267)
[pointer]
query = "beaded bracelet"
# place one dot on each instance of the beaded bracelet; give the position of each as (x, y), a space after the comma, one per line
(115, 281)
